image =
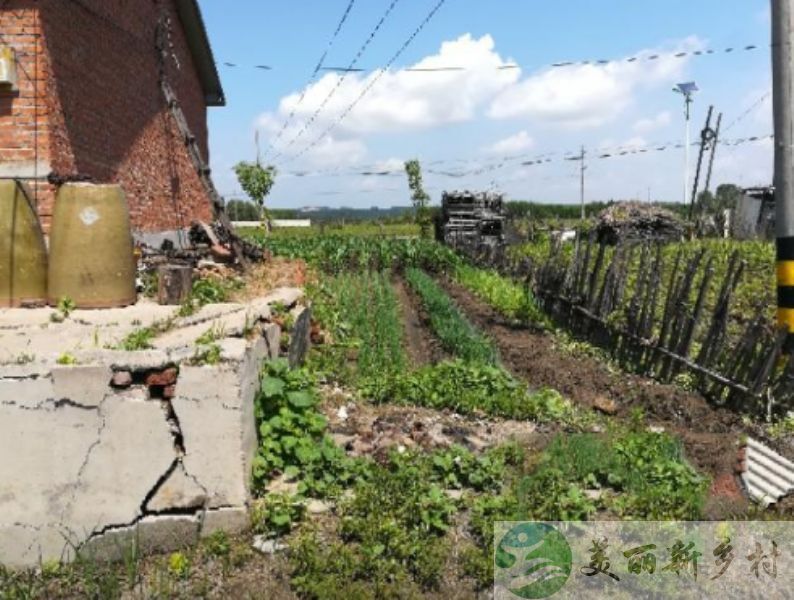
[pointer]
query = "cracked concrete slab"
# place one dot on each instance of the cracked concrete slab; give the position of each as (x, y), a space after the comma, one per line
(86, 385)
(26, 393)
(207, 427)
(158, 533)
(230, 520)
(81, 460)
(134, 450)
(178, 492)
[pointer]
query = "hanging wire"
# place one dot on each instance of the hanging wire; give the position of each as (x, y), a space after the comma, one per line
(372, 83)
(340, 81)
(757, 104)
(312, 78)
(638, 58)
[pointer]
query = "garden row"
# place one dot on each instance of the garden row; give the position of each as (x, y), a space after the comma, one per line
(397, 518)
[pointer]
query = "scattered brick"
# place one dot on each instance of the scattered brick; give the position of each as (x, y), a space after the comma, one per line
(169, 392)
(121, 379)
(162, 378)
(605, 405)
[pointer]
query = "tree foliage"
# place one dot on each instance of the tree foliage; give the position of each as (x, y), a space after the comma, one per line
(419, 197)
(242, 210)
(256, 181)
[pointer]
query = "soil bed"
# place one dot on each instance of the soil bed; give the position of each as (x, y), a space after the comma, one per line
(421, 345)
(710, 434)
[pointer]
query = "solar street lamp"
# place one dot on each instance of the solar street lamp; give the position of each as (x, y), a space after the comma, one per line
(687, 90)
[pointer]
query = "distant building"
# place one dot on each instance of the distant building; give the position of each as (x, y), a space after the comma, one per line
(86, 102)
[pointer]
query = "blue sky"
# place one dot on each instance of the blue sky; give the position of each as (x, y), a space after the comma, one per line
(484, 114)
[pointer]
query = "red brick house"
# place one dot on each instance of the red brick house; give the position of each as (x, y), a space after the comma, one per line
(87, 102)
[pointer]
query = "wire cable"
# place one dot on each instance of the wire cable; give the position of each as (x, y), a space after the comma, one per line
(340, 81)
(372, 82)
(312, 78)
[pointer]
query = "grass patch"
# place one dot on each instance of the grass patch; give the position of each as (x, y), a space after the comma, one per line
(457, 335)
(337, 253)
(629, 474)
(363, 313)
(469, 389)
(513, 300)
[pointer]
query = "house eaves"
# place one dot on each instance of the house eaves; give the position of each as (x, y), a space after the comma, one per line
(201, 50)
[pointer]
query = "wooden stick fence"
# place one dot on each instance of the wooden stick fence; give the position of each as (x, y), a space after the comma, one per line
(662, 326)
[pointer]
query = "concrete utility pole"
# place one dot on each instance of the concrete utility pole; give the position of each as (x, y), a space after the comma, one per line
(783, 94)
(687, 90)
(584, 211)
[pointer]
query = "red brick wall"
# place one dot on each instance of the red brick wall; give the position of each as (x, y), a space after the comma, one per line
(102, 113)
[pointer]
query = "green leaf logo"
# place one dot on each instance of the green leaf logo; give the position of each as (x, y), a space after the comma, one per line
(533, 560)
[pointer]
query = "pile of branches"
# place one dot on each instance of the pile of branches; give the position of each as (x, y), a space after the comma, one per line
(222, 240)
(628, 221)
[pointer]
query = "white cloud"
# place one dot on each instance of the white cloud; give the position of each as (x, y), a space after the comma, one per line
(515, 143)
(648, 125)
(389, 164)
(588, 95)
(402, 100)
(332, 152)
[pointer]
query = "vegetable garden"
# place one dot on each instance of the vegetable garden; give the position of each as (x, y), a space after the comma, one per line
(380, 474)
(402, 509)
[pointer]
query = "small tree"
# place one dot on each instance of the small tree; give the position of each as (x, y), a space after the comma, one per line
(419, 197)
(257, 181)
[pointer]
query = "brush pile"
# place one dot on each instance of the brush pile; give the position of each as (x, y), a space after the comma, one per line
(628, 221)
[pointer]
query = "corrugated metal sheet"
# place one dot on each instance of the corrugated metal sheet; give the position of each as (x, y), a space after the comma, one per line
(768, 476)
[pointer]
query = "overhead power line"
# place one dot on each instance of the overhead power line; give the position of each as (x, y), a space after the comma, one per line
(757, 104)
(646, 57)
(313, 76)
(601, 153)
(341, 80)
(373, 81)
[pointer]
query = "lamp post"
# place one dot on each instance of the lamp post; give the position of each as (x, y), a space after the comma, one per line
(687, 90)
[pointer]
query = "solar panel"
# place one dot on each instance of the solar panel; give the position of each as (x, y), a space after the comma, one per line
(687, 88)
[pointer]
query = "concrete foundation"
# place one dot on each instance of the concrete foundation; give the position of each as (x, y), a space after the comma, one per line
(151, 447)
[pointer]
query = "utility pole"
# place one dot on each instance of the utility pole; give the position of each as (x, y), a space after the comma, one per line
(704, 141)
(714, 141)
(687, 90)
(783, 95)
(582, 158)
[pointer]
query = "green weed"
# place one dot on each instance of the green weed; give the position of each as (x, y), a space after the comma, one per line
(457, 335)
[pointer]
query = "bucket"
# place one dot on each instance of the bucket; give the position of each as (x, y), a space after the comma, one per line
(91, 248)
(23, 254)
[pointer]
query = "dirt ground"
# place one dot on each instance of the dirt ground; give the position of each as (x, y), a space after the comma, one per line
(421, 345)
(272, 274)
(710, 435)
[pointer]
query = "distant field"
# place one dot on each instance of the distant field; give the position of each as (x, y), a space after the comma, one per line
(352, 229)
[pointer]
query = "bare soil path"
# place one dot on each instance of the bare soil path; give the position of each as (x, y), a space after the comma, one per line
(421, 345)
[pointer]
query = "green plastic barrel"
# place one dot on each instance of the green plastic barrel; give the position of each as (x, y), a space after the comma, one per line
(91, 248)
(23, 254)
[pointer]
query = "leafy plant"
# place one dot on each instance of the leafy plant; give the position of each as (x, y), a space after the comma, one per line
(293, 438)
(210, 354)
(276, 513)
(469, 388)
(140, 339)
(456, 334)
(256, 181)
(66, 359)
(179, 565)
(66, 306)
(419, 196)
(393, 529)
(509, 298)
(336, 253)
(363, 312)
